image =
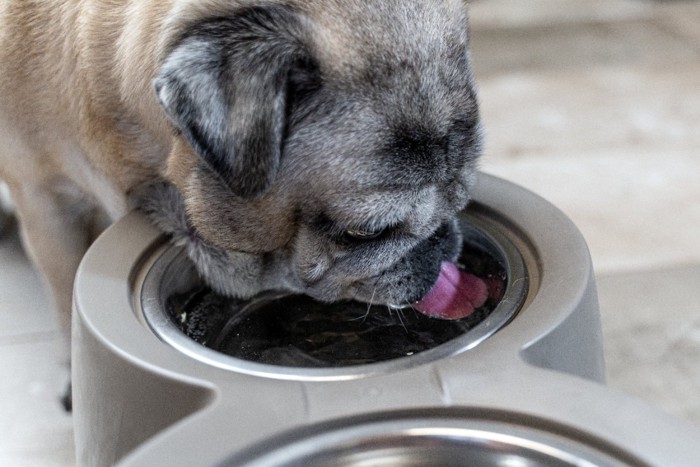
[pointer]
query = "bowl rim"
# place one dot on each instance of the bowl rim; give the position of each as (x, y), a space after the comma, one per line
(475, 224)
(425, 432)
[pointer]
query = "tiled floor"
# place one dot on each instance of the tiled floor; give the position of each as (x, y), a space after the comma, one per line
(34, 429)
(594, 104)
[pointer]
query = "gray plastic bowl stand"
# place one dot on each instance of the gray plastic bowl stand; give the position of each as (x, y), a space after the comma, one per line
(141, 402)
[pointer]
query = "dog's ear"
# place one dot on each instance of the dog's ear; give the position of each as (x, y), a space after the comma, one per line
(225, 85)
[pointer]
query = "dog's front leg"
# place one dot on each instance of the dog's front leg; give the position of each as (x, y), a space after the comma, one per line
(57, 224)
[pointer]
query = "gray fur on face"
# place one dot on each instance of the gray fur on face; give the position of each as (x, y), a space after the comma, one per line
(314, 123)
(229, 273)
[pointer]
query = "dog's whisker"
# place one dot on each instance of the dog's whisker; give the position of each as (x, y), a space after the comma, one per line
(369, 306)
(410, 305)
(398, 315)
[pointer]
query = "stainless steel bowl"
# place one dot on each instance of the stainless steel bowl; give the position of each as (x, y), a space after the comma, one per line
(424, 439)
(170, 272)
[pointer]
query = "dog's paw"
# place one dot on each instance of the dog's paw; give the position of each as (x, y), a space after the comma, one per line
(67, 399)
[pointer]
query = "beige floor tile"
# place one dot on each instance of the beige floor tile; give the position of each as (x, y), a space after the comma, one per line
(682, 18)
(34, 429)
(555, 46)
(24, 305)
(651, 323)
(498, 14)
(58, 458)
(33, 421)
(559, 112)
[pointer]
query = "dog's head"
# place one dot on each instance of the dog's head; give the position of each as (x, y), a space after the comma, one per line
(326, 146)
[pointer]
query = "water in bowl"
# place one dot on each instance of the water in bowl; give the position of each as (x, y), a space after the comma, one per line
(297, 331)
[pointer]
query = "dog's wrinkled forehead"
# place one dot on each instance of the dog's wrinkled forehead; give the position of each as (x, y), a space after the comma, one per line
(411, 55)
(413, 210)
(398, 87)
(351, 39)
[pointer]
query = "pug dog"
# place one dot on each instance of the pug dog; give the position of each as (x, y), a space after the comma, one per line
(317, 146)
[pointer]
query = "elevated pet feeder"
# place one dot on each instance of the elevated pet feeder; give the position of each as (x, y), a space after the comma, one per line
(522, 379)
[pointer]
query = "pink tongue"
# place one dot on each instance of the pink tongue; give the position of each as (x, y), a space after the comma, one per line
(455, 295)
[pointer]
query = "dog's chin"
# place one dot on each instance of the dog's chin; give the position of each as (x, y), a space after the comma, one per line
(413, 275)
(364, 292)
(390, 300)
(393, 293)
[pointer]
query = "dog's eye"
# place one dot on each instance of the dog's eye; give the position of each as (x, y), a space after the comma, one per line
(363, 234)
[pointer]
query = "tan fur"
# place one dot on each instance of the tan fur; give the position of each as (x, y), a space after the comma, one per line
(75, 82)
(80, 127)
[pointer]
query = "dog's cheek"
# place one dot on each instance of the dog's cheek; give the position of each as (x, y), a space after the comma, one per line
(233, 223)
